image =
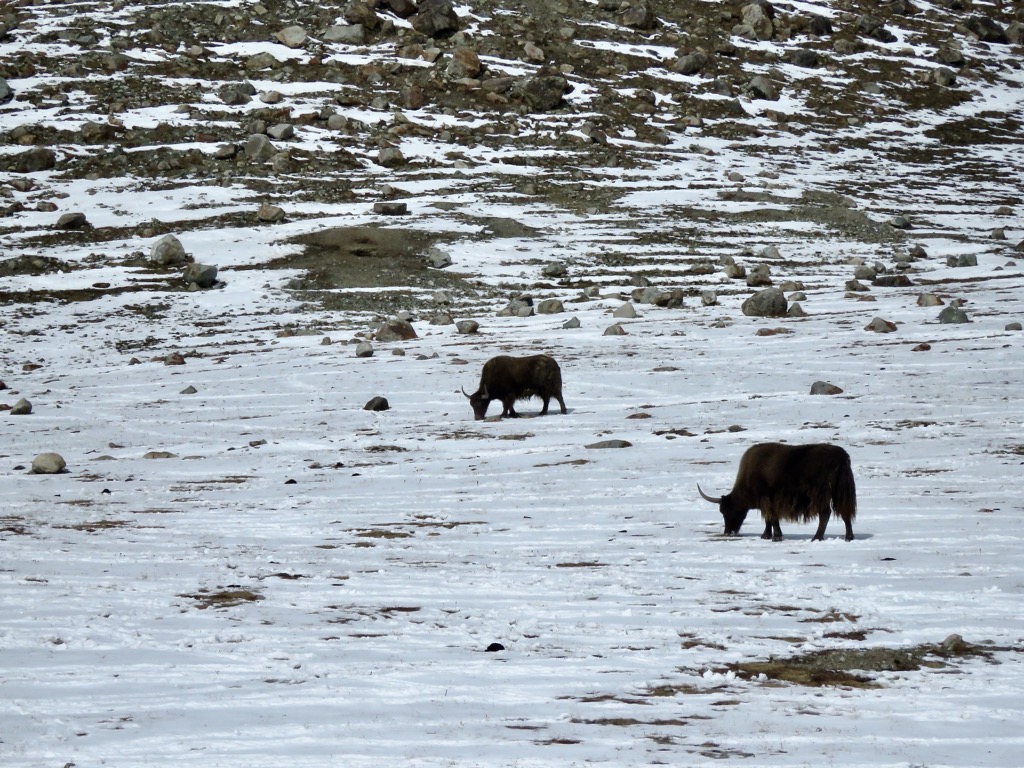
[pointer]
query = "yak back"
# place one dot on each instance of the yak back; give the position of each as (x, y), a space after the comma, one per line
(795, 482)
(521, 377)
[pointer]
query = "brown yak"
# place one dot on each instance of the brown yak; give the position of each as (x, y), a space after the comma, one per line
(790, 482)
(509, 379)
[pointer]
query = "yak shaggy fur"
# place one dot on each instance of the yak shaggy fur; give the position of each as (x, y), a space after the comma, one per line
(798, 483)
(508, 379)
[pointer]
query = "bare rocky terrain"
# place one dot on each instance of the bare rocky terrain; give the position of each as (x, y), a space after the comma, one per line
(361, 103)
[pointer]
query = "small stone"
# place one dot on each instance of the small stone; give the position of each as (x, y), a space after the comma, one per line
(571, 323)
(364, 349)
(189, 390)
(1012, 327)
(467, 326)
(614, 330)
(377, 403)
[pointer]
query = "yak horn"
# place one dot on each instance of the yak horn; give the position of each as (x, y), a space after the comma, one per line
(465, 393)
(704, 496)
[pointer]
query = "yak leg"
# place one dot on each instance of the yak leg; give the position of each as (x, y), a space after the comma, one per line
(544, 409)
(508, 409)
(767, 530)
(561, 403)
(849, 527)
(819, 535)
(772, 530)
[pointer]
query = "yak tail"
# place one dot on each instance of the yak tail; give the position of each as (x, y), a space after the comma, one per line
(844, 492)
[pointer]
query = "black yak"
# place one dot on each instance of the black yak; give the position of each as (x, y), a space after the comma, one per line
(790, 482)
(509, 379)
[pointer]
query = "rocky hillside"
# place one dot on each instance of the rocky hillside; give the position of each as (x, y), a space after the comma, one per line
(300, 110)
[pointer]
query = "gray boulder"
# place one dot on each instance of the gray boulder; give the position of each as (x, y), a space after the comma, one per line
(168, 252)
(200, 275)
(953, 314)
(48, 464)
(771, 302)
(21, 408)
(435, 18)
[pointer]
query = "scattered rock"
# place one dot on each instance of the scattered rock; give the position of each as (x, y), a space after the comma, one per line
(21, 408)
(1012, 327)
(878, 325)
(168, 252)
(467, 326)
(72, 221)
(611, 444)
(571, 323)
(391, 208)
(364, 349)
(395, 329)
(614, 330)
(953, 314)
(550, 307)
(824, 388)
(292, 37)
(201, 276)
(269, 213)
(377, 403)
(48, 464)
(626, 312)
(770, 302)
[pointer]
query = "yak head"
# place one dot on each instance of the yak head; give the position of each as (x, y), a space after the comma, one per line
(479, 400)
(733, 513)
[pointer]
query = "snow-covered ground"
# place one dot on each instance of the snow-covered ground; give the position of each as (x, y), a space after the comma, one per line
(261, 573)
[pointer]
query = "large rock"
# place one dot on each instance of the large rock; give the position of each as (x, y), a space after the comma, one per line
(395, 329)
(48, 464)
(770, 302)
(435, 18)
(200, 275)
(542, 93)
(168, 252)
